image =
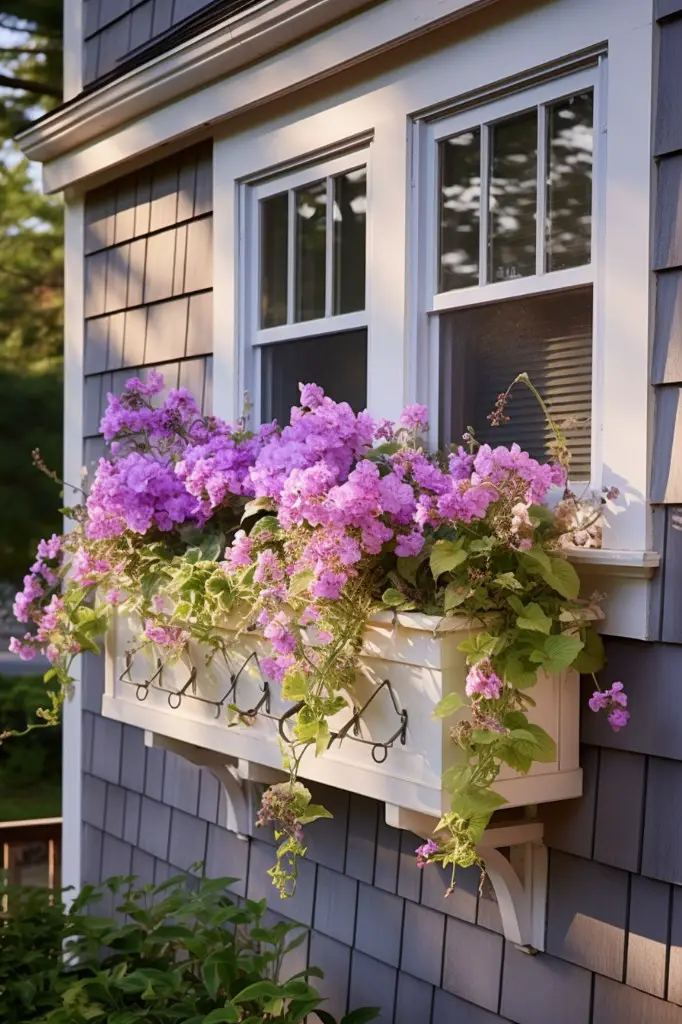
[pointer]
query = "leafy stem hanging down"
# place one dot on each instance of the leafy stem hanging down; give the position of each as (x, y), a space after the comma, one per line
(202, 532)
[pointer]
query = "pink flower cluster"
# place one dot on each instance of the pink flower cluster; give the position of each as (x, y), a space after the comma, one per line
(615, 701)
(482, 681)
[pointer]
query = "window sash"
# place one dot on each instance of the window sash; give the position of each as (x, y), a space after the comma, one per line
(483, 117)
(289, 182)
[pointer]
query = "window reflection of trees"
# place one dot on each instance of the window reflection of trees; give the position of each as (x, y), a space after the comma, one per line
(460, 185)
(569, 182)
(513, 197)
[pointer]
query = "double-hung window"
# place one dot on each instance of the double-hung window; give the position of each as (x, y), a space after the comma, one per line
(511, 264)
(307, 295)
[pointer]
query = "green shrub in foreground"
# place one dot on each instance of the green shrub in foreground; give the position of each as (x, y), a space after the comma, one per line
(172, 954)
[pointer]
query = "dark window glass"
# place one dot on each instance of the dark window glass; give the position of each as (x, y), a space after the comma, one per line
(350, 229)
(274, 235)
(513, 197)
(484, 348)
(569, 182)
(460, 210)
(311, 232)
(337, 362)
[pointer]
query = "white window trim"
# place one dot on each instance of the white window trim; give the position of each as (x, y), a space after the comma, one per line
(393, 109)
(251, 193)
(428, 136)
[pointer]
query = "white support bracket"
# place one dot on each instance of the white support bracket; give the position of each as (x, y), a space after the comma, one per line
(519, 880)
(242, 790)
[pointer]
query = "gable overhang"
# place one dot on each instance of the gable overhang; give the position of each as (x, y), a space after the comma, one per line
(266, 52)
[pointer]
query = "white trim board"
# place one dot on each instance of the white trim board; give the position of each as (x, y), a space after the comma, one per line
(74, 323)
(160, 102)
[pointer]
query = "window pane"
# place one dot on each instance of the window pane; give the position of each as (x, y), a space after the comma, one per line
(484, 348)
(337, 362)
(311, 234)
(274, 233)
(569, 182)
(460, 199)
(350, 228)
(29, 863)
(513, 197)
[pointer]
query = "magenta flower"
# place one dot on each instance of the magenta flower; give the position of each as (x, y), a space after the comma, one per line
(415, 417)
(614, 701)
(425, 851)
(483, 681)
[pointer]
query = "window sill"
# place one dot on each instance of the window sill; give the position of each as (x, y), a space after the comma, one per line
(606, 561)
(621, 578)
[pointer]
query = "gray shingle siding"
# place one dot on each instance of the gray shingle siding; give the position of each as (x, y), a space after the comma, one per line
(381, 929)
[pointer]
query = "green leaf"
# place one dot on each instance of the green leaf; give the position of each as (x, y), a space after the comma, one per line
(295, 686)
(471, 801)
(592, 657)
(211, 547)
(448, 705)
(313, 812)
(228, 1013)
(454, 776)
(485, 737)
(446, 556)
(536, 560)
(363, 1015)
(542, 746)
(259, 990)
(393, 598)
(507, 581)
(300, 582)
(483, 545)
(516, 604)
(455, 595)
(479, 646)
(257, 505)
(267, 523)
(563, 578)
(409, 567)
(534, 619)
(322, 739)
(518, 759)
(561, 651)
(519, 673)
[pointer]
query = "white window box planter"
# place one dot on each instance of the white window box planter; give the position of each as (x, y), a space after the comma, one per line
(396, 752)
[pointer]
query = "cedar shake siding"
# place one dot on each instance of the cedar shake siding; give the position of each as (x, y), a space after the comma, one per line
(380, 928)
(121, 34)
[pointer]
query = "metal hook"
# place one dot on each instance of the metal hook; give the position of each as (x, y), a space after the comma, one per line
(179, 694)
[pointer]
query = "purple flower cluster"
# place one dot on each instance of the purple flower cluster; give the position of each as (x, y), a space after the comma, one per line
(482, 681)
(425, 852)
(615, 701)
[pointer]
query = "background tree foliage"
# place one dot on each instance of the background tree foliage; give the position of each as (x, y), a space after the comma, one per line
(31, 253)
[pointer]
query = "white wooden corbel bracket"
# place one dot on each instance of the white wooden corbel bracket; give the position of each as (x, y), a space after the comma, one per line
(519, 880)
(242, 790)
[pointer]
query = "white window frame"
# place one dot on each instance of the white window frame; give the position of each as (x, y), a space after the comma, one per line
(483, 115)
(255, 336)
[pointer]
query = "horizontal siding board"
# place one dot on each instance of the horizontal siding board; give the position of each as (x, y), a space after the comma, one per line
(362, 837)
(199, 255)
(143, 867)
(164, 197)
(114, 43)
(667, 8)
(159, 265)
(570, 824)
(414, 1000)
(91, 12)
(651, 673)
(181, 784)
(227, 856)
(106, 750)
(472, 963)
(531, 985)
(449, 1008)
(94, 801)
(387, 856)
(200, 324)
(335, 905)
(662, 841)
(671, 577)
(115, 811)
(96, 345)
(620, 1004)
(462, 902)
(423, 936)
(372, 984)
(618, 828)
(648, 935)
(135, 337)
(141, 24)
(116, 346)
(208, 796)
(334, 959)
(666, 474)
(131, 821)
(155, 820)
(667, 347)
(586, 914)
(299, 907)
(327, 844)
(668, 226)
(166, 330)
(379, 924)
(409, 873)
(668, 131)
(91, 852)
(187, 845)
(95, 283)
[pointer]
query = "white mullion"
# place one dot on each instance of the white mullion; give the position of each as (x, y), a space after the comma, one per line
(291, 254)
(329, 249)
(541, 200)
(310, 328)
(484, 206)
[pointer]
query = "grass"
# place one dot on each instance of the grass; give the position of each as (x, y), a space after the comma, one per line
(42, 800)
